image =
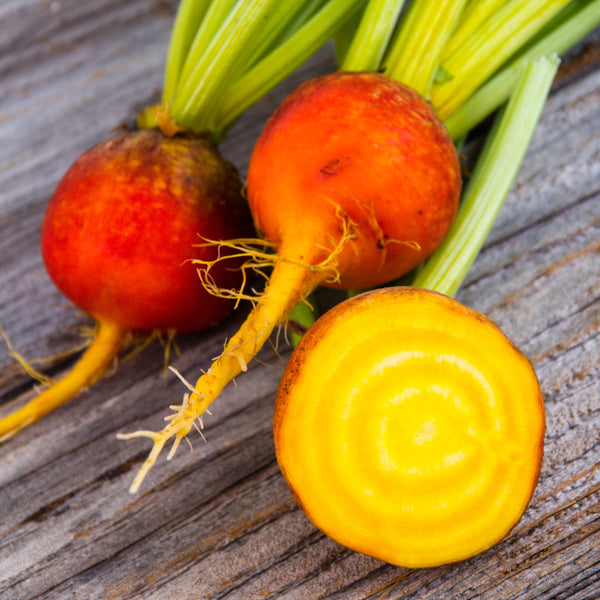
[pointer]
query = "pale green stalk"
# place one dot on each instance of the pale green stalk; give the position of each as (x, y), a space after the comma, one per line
(372, 36)
(416, 50)
(572, 25)
(308, 10)
(187, 20)
(494, 174)
(343, 38)
(475, 13)
(483, 53)
(200, 92)
(280, 63)
(283, 23)
(207, 30)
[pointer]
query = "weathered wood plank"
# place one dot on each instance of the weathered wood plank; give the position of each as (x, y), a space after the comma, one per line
(220, 522)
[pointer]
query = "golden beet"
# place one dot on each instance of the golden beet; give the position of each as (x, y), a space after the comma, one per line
(410, 428)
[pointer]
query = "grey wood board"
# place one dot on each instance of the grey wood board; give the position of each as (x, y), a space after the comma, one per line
(219, 522)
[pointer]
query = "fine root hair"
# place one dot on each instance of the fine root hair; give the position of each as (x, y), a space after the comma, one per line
(259, 256)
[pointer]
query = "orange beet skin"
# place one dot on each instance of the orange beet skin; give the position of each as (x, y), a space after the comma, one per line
(120, 230)
(366, 149)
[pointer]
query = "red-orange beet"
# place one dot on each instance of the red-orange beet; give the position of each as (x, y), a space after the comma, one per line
(361, 151)
(119, 239)
(119, 233)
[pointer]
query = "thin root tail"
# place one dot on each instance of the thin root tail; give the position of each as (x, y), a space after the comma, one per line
(290, 282)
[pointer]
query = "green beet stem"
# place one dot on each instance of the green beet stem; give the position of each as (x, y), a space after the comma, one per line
(202, 87)
(416, 50)
(474, 15)
(370, 39)
(492, 179)
(566, 29)
(494, 42)
(291, 53)
(187, 20)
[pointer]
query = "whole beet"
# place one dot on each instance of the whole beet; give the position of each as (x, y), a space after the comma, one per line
(120, 237)
(124, 224)
(355, 153)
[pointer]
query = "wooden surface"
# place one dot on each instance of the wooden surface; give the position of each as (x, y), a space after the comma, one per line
(219, 522)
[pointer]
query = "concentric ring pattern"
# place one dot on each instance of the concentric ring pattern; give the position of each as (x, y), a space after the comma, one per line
(410, 428)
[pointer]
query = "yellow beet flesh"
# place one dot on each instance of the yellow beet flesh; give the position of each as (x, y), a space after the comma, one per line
(410, 428)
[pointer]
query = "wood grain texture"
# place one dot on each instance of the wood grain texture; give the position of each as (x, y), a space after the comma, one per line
(219, 522)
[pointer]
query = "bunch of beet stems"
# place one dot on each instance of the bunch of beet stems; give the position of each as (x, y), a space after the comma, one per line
(469, 59)
(223, 56)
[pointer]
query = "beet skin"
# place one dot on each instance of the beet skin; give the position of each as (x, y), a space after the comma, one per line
(122, 225)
